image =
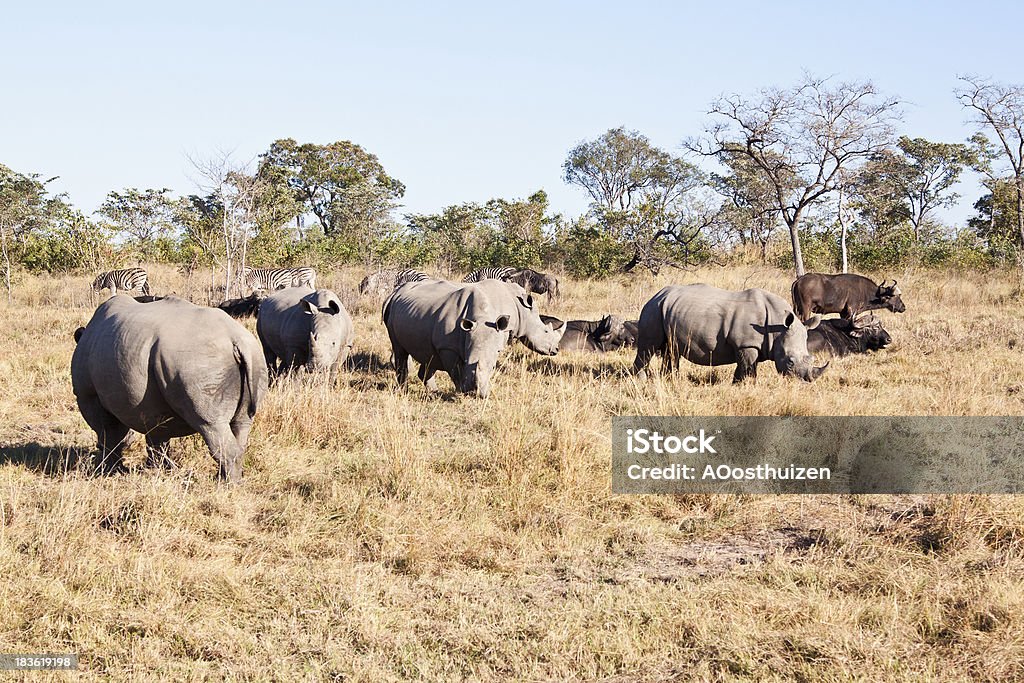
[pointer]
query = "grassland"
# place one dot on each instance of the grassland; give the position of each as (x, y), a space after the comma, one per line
(382, 535)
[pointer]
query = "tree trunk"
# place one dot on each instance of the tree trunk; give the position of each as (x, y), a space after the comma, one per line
(843, 233)
(794, 238)
(7, 263)
(1020, 206)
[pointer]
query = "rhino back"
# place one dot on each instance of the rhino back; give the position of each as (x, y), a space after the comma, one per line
(164, 366)
(711, 324)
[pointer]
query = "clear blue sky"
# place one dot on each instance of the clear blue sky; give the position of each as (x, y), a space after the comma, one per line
(462, 101)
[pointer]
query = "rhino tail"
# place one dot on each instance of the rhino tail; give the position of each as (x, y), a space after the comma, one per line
(250, 383)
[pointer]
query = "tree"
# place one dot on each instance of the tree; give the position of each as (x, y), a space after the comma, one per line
(813, 132)
(23, 206)
(233, 196)
(646, 199)
(343, 185)
(1000, 108)
(142, 216)
(916, 178)
(752, 213)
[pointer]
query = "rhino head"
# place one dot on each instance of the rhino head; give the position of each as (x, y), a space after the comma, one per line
(484, 340)
(789, 350)
(326, 335)
(540, 336)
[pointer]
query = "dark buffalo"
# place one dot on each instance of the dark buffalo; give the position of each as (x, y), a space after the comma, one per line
(845, 293)
(534, 282)
(842, 336)
(607, 334)
(246, 307)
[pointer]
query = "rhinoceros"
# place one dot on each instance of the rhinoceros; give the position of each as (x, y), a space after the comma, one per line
(711, 326)
(525, 323)
(167, 369)
(302, 327)
(449, 326)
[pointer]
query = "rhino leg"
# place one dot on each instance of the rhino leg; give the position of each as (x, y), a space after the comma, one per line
(402, 360)
(426, 374)
(111, 435)
(452, 365)
(157, 452)
(226, 450)
(647, 345)
(746, 365)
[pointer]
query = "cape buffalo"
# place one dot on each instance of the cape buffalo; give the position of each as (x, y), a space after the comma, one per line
(843, 336)
(246, 307)
(302, 327)
(534, 282)
(167, 369)
(443, 325)
(711, 326)
(845, 293)
(607, 334)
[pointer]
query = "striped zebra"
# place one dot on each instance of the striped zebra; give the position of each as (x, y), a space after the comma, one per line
(125, 279)
(272, 279)
(383, 282)
(498, 273)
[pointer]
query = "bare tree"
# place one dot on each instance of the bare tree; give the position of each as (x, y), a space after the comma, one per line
(812, 132)
(236, 190)
(1001, 109)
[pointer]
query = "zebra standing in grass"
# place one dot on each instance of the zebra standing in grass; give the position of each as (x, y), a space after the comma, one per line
(125, 279)
(498, 273)
(383, 282)
(272, 279)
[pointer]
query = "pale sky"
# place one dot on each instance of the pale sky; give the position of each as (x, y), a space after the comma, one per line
(460, 101)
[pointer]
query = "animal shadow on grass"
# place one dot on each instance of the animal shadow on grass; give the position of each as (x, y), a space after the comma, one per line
(48, 460)
(599, 371)
(373, 367)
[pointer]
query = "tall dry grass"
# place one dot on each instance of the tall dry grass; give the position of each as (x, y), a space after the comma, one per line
(390, 535)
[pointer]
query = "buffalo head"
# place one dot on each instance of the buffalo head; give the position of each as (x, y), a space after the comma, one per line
(888, 296)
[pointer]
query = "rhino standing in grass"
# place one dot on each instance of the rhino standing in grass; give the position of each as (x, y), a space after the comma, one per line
(167, 369)
(711, 326)
(443, 325)
(525, 323)
(301, 327)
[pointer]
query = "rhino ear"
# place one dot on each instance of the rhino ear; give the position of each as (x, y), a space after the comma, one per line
(78, 333)
(308, 308)
(335, 308)
(528, 301)
(813, 322)
(789, 320)
(501, 323)
(467, 324)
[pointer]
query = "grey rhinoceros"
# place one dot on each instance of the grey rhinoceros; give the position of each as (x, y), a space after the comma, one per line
(449, 326)
(525, 323)
(711, 326)
(302, 327)
(167, 369)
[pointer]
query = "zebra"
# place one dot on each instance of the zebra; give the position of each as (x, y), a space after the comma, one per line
(278, 278)
(498, 273)
(409, 275)
(125, 279)
(383, 282)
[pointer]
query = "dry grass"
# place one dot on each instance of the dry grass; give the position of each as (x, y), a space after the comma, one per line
(382, 535)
